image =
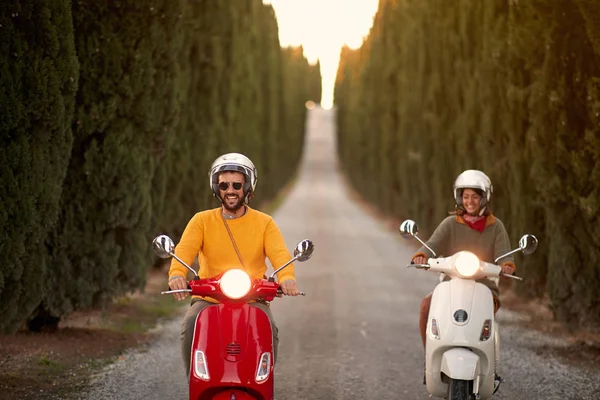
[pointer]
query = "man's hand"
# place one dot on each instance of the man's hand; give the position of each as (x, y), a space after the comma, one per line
(508, 269)
(176, 283)
(289, 288)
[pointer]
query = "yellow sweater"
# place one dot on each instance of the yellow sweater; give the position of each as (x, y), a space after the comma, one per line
(256, 234)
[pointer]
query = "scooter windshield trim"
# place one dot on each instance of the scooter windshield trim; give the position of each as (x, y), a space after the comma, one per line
(235, 284)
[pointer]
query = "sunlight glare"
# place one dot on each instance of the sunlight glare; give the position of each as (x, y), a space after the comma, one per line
(322, 27)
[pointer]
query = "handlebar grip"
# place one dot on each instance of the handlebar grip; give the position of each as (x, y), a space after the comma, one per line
(518, 278)
(279, 291)
(418, 266)
(177, 291)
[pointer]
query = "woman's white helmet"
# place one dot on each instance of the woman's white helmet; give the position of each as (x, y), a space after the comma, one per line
(234, 162)
(473, 179)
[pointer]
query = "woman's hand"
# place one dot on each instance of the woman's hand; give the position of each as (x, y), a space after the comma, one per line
(508, 269)
(419, 260)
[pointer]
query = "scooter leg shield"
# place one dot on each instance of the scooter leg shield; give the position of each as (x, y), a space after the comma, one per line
(460, 363)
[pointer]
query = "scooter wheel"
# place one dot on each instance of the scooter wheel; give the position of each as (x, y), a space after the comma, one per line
(459, 390)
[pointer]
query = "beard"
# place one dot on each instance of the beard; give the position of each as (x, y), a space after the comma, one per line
(235, 207)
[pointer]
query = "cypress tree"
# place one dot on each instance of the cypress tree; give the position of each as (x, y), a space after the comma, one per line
(125, 108)
(162, 90)
(38, 77)
(560, 116)
(313, 83)
(269, 57)
(509, 88)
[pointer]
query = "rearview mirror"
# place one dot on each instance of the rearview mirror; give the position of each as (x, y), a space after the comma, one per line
(163, 246)
(528, 244)
(408, 228)
(304, 250)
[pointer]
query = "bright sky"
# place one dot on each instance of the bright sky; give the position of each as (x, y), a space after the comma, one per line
(322, 27)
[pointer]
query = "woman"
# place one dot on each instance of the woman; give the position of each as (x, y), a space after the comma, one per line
(472, 227)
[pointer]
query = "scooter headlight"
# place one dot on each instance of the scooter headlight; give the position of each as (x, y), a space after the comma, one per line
(466, 264)
(235, 283)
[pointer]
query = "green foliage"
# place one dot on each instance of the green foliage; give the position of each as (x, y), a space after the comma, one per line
(100, 248)
(562, 115)
(112, 114)
(507, 87)
(38, 79)
(313, 82)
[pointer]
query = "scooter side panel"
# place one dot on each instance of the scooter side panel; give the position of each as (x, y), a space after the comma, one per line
(232, 337)
(448, 297)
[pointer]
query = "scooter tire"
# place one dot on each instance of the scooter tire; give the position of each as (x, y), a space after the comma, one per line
(459, 390)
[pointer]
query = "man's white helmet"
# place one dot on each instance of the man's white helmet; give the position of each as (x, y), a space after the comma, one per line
(473, 179)
(234, 162)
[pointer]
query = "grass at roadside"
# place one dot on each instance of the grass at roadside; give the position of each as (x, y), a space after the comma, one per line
(59, 364)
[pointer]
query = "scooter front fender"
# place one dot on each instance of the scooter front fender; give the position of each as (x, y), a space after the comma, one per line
(233, 394)
(460, 363)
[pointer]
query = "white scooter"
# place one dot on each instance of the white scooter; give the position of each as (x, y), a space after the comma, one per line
(462, 334)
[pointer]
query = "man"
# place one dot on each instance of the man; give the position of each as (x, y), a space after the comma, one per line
(230, 236)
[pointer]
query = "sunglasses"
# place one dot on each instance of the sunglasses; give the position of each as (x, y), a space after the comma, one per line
(225, 185)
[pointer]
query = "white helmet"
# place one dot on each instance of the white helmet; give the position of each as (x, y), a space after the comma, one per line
(473, 179)
(234, 162)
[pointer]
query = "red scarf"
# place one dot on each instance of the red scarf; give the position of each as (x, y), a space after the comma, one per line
(476, 222)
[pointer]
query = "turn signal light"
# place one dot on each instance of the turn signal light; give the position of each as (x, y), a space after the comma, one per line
(486, 330)
(435, 331)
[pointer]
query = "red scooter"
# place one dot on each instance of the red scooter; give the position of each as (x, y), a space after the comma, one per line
(232, 349)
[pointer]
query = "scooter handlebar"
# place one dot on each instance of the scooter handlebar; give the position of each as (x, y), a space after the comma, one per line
(518, 278)
(427, 266)
(419, 266)
(280, 292)
(213, 285)
(177, 291)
